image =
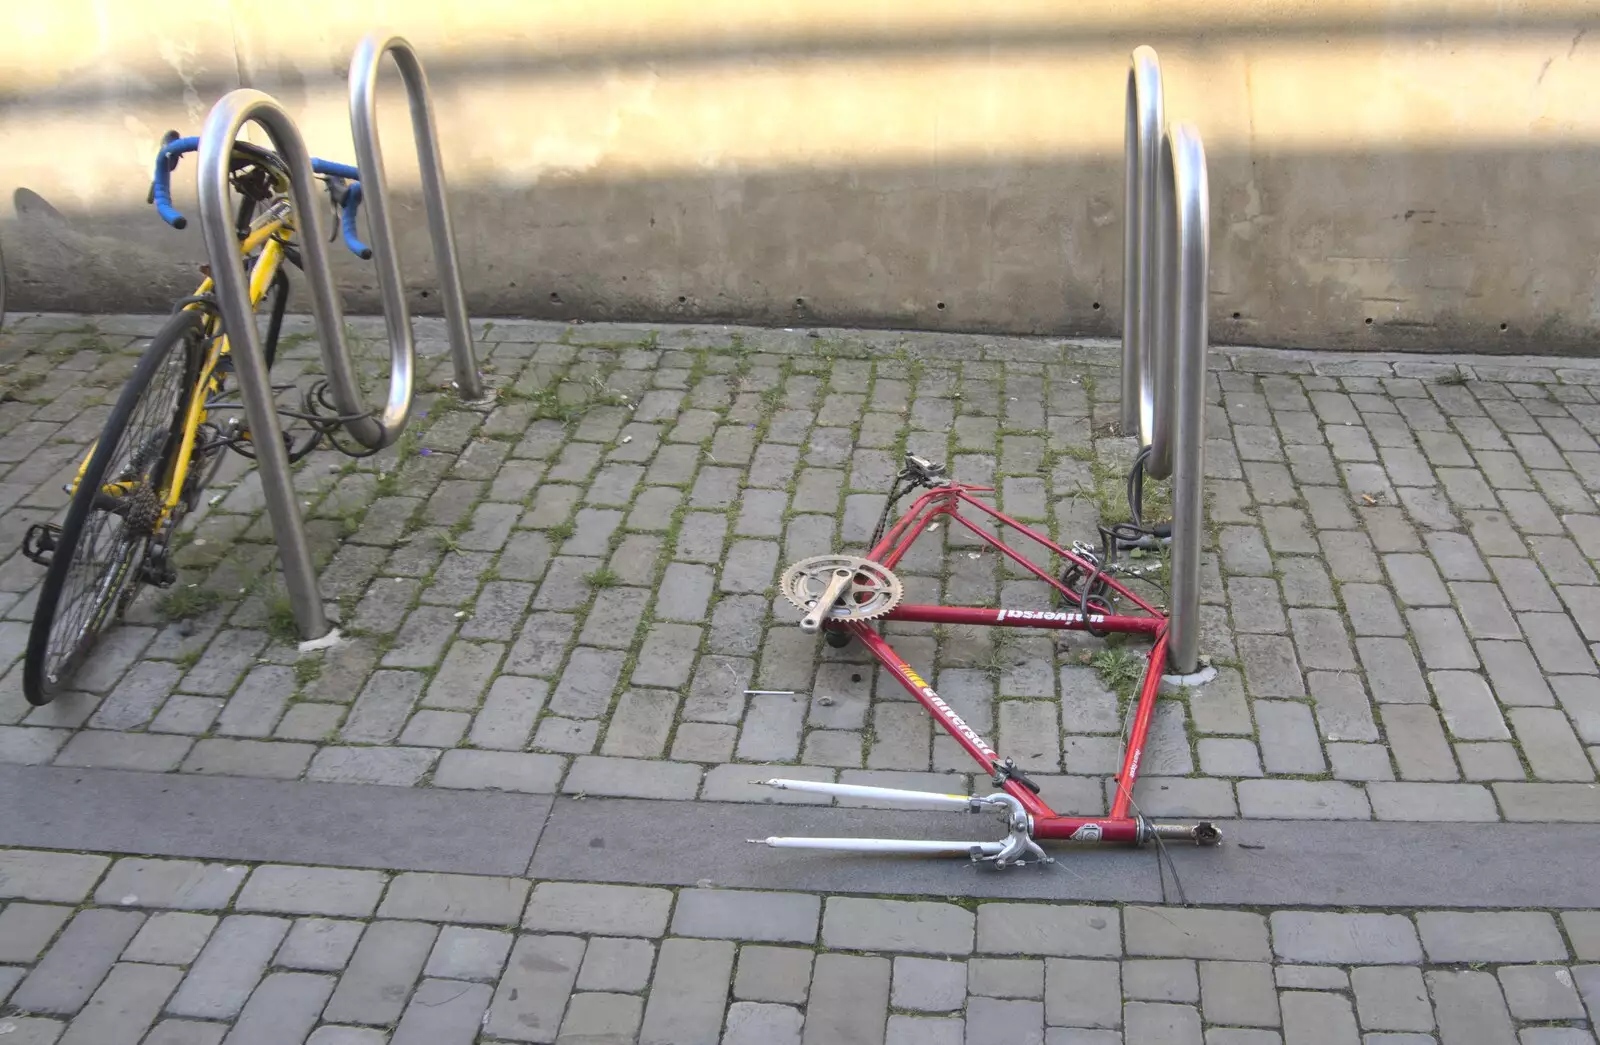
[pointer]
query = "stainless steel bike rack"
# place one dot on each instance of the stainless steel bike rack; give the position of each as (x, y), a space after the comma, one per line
(1183, 251)
(1166, 252)
(1142, 146)
(222, 126)
(364, 66)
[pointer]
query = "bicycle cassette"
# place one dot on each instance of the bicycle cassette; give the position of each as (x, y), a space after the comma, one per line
(862, 589)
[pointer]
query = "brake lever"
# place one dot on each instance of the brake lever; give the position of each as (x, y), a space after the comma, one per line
(338, 193)
(172, 163)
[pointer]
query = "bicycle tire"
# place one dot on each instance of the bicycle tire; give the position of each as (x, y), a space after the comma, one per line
(51, 658)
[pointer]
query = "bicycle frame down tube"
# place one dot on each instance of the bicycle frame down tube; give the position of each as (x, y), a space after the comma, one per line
(1059, 621)
(965, 735)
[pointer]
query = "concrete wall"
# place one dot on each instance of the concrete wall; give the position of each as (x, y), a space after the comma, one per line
(1402, 174)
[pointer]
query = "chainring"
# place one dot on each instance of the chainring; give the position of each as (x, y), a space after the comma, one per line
(873, 589)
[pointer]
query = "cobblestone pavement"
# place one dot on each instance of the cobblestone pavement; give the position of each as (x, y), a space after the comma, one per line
(174, 952)
(572, 589)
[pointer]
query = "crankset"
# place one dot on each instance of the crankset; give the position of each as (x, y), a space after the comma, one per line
(840, 588)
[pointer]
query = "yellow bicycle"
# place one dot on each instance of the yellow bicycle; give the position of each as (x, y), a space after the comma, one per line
(160, 445)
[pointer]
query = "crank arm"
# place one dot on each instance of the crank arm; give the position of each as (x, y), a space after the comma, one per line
(838, 584)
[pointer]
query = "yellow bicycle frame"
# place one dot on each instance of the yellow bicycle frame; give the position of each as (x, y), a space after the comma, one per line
(270, 239)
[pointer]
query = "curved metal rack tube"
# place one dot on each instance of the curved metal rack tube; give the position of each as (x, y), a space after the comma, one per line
(1183, 256)
(364, 68)
(222, 126)
(1142, 143)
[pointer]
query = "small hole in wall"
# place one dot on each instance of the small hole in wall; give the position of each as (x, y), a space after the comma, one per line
(1236, 315)
(682, 299)
(555, 297)
(799, 302)
(940, 306)
(1095, 305)
(1369, 321)
(424, 294)
(1504, 327)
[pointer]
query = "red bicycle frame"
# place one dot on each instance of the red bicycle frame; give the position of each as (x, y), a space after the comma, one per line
(946, 501)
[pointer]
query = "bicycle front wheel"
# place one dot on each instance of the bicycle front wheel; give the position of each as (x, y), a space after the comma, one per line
(95, 565)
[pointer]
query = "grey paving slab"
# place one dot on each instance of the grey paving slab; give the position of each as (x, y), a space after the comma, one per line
(312, 823)
(1358, 863)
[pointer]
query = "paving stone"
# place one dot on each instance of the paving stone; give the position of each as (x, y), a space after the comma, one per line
(1469, 1007)
(1150, 1023)
(1468, 706)
(1360, 762)
(1370, 610)
(1551, 748)
(1540, 992)
(509, 712)
(383, 706)
(283, 1008)
(925, 1030)
(1514, 674)
(444, 1012)
(1415, 580)
(1418, 743)
(396, 766)
(608, 910)
(182, 884)
(319, 944)
(1302, 800)
(1318, 1018)
(614, 617)
(1342, 708)
(49, 877)
(612, 964)
(667, 657)
(26, 929)
(991, 1021)
(124, 1006)
(473, 899)
(929, 984)
(897, 925)
(587, 683)
(1270, 667)
(1392, 999)
(1217, 707)
(772, 728)
(532, 995)
(849, 1001)
(1240, 994)
(1311, 978)
(1556, 644)
(688, 993)
(221, 979)
(684, 593)
(1392, 662)
(632, 777)
(385, 965)
(472, 954)
(1082, 993)
(1583, 929)
(499, 771)
(1344, 939)
(140, 751)
(1431, 802)
(1289, 742)
(1490, 936)
(251, 758)
(783, 975)
(1441, 639)
(752, 1023)
(133, 701)
(1065, 931)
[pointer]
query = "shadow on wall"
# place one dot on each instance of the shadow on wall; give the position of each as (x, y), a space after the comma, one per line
(1011, 247)
(1471, 248)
